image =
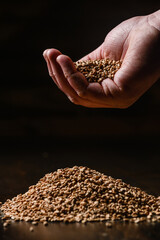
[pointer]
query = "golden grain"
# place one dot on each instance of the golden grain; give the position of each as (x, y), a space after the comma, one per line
(80, 194)
(98, 70)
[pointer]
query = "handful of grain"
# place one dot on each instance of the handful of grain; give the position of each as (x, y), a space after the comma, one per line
(80, 194)
(98, 70)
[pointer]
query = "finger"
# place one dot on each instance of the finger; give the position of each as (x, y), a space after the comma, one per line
(51, 56)
(92, 92)
(61, 80)
(51, 74)
(74, 77)
(58, 73)
(73, 98)
(48, 63)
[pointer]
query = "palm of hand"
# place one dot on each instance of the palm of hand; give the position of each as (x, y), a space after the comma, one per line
(132, 41)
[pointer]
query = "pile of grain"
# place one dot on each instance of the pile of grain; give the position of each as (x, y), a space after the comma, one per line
(98, 70)
(80, 194)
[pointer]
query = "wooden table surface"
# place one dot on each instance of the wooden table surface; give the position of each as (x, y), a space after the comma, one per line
(136, 164)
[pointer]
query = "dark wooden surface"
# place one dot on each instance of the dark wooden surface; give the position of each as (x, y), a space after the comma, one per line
(136, 163)
(90, 231)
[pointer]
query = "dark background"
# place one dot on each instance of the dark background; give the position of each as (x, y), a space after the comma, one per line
(38, 124)
(40, 130)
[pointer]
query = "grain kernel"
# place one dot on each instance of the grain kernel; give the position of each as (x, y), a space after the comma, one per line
(80, 194)
(98, 70)
(31, 229)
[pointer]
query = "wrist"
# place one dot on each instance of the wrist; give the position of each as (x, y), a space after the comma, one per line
(154, 20)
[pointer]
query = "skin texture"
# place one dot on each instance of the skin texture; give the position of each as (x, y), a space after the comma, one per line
(137, 43)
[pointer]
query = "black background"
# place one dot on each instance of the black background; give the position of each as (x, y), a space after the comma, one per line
(36, 117)
(40, 130)
(31, 106)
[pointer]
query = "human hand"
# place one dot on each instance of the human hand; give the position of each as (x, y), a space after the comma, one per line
(137, 43)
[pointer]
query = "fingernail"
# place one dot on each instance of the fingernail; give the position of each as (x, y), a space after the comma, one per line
(45, 53)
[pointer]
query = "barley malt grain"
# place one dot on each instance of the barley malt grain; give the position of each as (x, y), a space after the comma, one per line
(31, 229)
(98, 70)
(80, 194)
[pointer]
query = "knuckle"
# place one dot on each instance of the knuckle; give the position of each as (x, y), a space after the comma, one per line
(82, 93)
(66, 75)
(51, 74)
(72, 76)
(74, 100)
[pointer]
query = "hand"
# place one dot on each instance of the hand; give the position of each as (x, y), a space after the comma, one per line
(137, 43)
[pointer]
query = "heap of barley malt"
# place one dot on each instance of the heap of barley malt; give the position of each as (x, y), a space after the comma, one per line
(98, 70)
(80, 194)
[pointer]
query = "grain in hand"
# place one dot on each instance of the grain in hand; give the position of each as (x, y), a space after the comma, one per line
(98, 70)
